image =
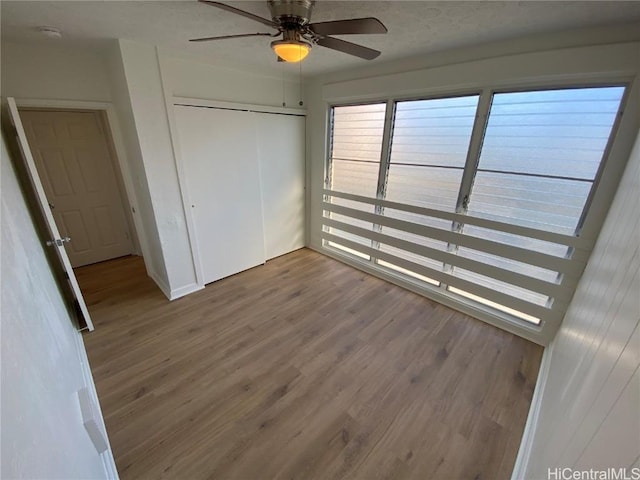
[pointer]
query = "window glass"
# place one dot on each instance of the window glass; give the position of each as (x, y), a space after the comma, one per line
(540, 155)
(356, 146)
(429, 149)
(538, 202)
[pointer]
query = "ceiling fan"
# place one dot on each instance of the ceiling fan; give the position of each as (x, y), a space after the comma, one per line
(291, 20)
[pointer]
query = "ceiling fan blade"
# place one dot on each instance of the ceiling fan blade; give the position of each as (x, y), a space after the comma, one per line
(223, 37)
(348, 47)
(348, 27)
(235, 10)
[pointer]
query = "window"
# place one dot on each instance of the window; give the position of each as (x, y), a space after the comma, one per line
(356, 146)
(429, 150)
(540, 155)
(487, 212)
(428, 154)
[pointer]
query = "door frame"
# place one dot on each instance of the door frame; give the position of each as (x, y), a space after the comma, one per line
(117, 149)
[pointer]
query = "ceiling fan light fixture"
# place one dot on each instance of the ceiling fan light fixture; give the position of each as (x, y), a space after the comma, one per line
(291, 51)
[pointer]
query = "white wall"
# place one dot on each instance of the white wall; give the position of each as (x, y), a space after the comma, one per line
(143, 206)
(582, 37)
(52, 72)
(148, 104)
(42, 431)
(194, 79)
(586, 413)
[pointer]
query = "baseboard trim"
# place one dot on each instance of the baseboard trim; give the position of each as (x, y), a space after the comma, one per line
(186, 290)
(161, 285)
(526, 444)
(177, 292)
(108, 462)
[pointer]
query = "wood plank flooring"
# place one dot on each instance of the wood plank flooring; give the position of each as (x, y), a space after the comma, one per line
(303, 368)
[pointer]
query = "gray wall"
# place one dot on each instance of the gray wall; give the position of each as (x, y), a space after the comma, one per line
(42, 431)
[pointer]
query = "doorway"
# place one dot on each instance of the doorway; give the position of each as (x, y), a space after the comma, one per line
(80, 175)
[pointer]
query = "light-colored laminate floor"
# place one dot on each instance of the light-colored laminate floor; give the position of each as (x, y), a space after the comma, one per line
(303, 368)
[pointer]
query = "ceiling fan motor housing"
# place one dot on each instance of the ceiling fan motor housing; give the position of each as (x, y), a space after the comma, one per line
(291, 13)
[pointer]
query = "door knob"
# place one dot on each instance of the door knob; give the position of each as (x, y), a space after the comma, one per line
(58, 241)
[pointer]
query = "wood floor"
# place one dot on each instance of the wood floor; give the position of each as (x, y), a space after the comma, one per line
(303, 368)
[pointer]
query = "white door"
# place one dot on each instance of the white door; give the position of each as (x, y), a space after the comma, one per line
(74, 163)
(281, 151)
(56, 240)
(219, 153)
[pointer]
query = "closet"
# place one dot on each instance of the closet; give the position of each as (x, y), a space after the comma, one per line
(244, 175)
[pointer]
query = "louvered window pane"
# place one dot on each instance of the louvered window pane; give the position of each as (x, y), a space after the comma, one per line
(339, 246)
(352, 221)
(419, 220)
(433, 132)
(538, 202)
(509, 264)
(428, 154)
(360, 178)
(429, 187)
(540, 155)
(416, 239)
(560, 133)
(428, 151)
(503, 287)
(514, 240)
(356, 145)
(497, 306)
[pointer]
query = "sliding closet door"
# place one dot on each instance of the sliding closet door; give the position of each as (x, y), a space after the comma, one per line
(281, 151)
(222, 173)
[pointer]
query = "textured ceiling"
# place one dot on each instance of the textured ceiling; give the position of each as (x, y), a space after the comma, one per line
(415, 27)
